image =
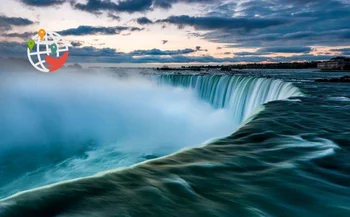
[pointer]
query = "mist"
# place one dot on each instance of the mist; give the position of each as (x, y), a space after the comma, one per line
(62, 126)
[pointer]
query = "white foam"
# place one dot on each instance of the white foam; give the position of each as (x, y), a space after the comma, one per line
(321, 147)
(293, 100)
(340, 98)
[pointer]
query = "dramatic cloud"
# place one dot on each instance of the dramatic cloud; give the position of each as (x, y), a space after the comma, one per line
(98, 30)
(309, 23)
(143, 21)
(42, 3)
(222, 23)
(269, 28)
(6, 23)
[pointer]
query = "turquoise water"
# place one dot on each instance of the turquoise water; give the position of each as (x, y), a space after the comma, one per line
(284, 152)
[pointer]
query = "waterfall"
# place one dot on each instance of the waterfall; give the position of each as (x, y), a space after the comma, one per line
(240, 94)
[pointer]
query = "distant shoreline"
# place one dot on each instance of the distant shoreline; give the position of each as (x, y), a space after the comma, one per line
(238, 68)
(19, 63)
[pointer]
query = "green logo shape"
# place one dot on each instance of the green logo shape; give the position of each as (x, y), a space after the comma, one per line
(53, 48)
(31, 44)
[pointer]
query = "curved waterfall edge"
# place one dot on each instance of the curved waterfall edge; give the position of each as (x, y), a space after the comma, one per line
(241, 95)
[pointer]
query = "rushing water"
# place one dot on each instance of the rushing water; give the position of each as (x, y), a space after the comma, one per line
(289, 159)
(240, 95)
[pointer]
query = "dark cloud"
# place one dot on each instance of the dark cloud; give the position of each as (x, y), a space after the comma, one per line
(306, 38)
(343, 51)
(6, 23)
(143, 21)
(122, 6)
(76, 43)
(222, 23)
(165, 41)
(131, 6)
(94, 52)
(199, 48)
(108, 52)
(114, 17)
(25, 35)
(244, 53)
(285, 49)
(13, 49)
(341, 34)
(304, 57)
(166, 4)
(183, 59)
(157, 52)
(309, 23)
(98, 30)
(271, 50)
(222, 10)
(42, 3)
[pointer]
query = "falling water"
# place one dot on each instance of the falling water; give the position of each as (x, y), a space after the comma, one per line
(241, 95)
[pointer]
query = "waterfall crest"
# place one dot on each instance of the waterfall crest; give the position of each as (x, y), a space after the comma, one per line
(239, 94)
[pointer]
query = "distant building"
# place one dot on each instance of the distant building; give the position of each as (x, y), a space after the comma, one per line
(338, 64)
(329, 65)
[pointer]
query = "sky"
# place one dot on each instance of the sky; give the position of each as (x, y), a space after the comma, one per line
(182, 31)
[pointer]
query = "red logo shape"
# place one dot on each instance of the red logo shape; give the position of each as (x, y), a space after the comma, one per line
(56, 63)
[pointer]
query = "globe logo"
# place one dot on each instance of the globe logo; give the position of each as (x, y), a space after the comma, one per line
(47, 51)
